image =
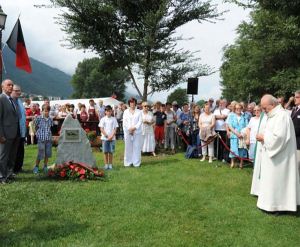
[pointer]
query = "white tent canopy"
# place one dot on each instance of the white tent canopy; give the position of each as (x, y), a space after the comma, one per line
(106, 101)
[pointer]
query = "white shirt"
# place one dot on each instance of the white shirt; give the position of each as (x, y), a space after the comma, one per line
(253, 126)
(131, 120)
(220, 123)
(109, 124)
(206, 120)
(170, 118)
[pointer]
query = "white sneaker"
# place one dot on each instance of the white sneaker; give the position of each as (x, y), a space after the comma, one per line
(203, 158)
(110, 166)
(105, 167)
(210, 160)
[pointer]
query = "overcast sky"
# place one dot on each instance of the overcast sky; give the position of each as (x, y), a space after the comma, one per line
(44, 40)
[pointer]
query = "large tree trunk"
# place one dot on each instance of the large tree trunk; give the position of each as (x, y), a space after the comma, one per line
(146, 74)
(133, 80)
(145, 91)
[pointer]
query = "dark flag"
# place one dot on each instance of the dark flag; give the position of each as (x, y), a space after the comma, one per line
(17, 44)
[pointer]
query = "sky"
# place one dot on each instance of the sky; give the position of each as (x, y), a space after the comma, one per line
(46, 42)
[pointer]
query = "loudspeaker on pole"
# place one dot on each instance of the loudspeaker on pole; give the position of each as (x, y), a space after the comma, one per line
(192, 86)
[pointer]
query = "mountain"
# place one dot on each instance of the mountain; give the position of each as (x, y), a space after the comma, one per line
(44, 80)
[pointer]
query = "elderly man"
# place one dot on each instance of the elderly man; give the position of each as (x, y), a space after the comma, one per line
(119, 112)
(9, 132)
(101, 109)
(16, 93)
(296, 120)
(211, 105)
(221, 114)
(249, 112)
(279, 187)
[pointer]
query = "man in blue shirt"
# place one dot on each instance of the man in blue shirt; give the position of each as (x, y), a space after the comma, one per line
(16, 93)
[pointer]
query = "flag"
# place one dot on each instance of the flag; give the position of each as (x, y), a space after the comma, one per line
(17, 44)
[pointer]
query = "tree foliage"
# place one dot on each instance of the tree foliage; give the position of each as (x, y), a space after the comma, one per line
(201, 102)
(94, 78)
(179, 95)
(138, 36)
(266, 56)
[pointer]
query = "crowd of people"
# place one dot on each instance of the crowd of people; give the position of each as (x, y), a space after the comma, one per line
(168, 126)
(161, 123)
(227, 131)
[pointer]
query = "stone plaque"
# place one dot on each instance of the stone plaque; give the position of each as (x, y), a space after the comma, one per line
(72, 135)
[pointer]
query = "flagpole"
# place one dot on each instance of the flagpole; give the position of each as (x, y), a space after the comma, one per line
(2, 26)
(1, 63)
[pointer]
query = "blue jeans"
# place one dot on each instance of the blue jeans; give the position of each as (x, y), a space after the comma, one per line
(108, 146)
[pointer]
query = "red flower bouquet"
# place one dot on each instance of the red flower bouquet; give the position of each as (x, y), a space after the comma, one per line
(76, 170)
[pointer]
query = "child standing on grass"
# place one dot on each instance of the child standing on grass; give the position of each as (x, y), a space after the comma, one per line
(108, 126)
(160, 118)
(170, 125)
(43, 124)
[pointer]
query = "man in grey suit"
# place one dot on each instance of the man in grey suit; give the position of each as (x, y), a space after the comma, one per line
(9, 132)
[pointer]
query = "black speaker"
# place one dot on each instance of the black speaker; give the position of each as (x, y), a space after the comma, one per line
(192, 86)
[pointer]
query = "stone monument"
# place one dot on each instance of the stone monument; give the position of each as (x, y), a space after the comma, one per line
(73, 144)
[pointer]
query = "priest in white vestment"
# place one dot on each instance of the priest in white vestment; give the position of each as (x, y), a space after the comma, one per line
(132, 126)
(279, 187)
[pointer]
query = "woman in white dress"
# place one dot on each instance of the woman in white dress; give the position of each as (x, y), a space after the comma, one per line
(207, 123)
(252, 129)
(132, 127)
(147, 130)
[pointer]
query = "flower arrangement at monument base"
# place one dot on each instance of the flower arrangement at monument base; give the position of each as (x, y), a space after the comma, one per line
(76, 171)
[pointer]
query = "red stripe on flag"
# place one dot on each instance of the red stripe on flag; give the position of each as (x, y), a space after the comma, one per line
(22, 59)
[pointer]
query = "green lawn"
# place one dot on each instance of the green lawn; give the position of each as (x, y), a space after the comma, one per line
(169, 201)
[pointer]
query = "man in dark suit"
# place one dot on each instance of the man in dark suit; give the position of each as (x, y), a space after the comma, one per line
(296, 120)
(9, 132)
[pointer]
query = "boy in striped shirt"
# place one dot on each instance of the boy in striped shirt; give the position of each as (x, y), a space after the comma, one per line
(43, 124)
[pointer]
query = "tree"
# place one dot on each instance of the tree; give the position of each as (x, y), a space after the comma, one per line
(201, 102)
(138, 36)
(266, 56)
(178, 95)
(95, 78)
(283, 6)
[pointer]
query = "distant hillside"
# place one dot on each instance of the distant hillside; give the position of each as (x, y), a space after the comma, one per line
(44, 80)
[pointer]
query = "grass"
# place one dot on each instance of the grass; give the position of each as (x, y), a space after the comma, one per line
(169, 201)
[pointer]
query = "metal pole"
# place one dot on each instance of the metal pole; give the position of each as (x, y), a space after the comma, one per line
(217, 148)
(1, 64)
